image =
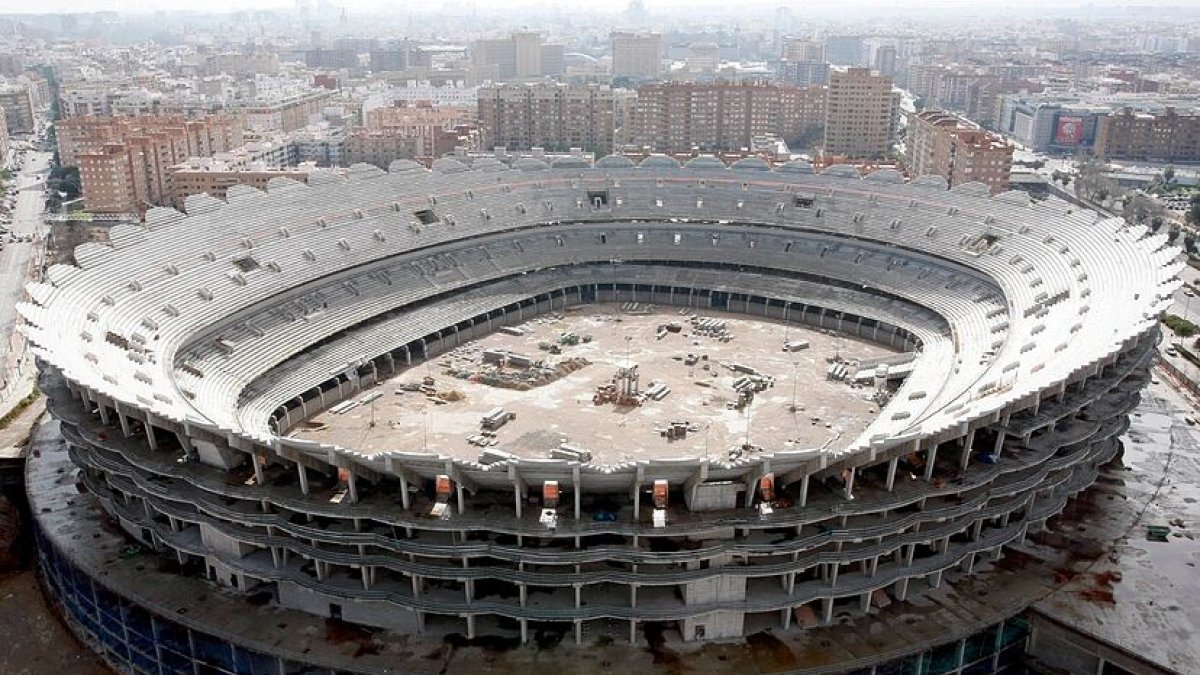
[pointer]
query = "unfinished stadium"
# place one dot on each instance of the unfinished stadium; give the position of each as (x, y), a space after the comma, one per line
(213, 371)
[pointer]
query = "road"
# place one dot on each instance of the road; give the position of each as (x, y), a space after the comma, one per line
(16, 257)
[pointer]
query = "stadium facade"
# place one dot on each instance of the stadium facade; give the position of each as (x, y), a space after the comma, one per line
(178, 358)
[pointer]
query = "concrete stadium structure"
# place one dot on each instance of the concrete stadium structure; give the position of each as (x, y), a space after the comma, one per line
(178, 358)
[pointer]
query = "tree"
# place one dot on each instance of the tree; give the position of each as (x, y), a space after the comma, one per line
(1193, 212)
(1168, 174)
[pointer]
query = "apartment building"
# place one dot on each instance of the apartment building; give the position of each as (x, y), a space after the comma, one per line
(556, 117)
(17, 102)
(124, 163)
(1166, 136)
(416, 120)
(199, 137)
(214, 177)
(637, 55)
(685, 116)
(381, 148)
(946, 145)
(285, 113)
(802, 63)
(522, 55)
(862, 114)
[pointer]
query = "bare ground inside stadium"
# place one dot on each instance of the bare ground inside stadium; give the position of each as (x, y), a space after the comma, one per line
(549, 409)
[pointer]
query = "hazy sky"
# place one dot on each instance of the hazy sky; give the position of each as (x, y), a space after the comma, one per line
(374, 6)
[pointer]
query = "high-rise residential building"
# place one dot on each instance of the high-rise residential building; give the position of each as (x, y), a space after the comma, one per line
(942, 144)
(196, 137)
(333, 59)
(18, 108)
(522, 55)
(885, 60)
(862, 114)
(417, 121)
(845, 50)
(802, 63)
(637, 54)
(527, 54)
(1165, 136)
(124, 163)
(553, 116)
(685, 116)
(389, 59)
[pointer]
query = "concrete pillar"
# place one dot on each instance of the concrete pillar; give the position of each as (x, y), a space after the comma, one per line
(470, 626)
(578, 631)
(458, 494)
(893, 463)
(303, 478)
(258, 469)
(404, 498)
(518, 498)
(930, 458)
(833, 574)
(849, 494)
(633, 631)
(366, 582)
(103, 413)
(151, 440)
(968, 441)
(864, 602)
(935, 579)
(352, 484)
(826, 611)
(902, 589)
(633, 595)
(524, 631)
(804, 490)
(999, 444)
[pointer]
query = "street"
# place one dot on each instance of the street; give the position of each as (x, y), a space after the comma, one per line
(17, 256)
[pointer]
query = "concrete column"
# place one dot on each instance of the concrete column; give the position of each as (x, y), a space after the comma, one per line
(518, 498)
(524, 593)
(826, 611)
(633, 595)
(303, 478)
(458, 495)
(633, 631)
(352, 483)
(893, 463)
(258, 469)
(902, 589)
(578, 486)
(864, 602)
(930, 458)
(874, 565)
(804, 490)
(999, 445)
(404, 498)
(469, 589)
(936, 579)
(578, 631)
(366, 581)
(849, 494)
(977, 529)
(103, 413)
(524, 631)
(833, 574)
(470, 626)
(968, 441)
(151, 440)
